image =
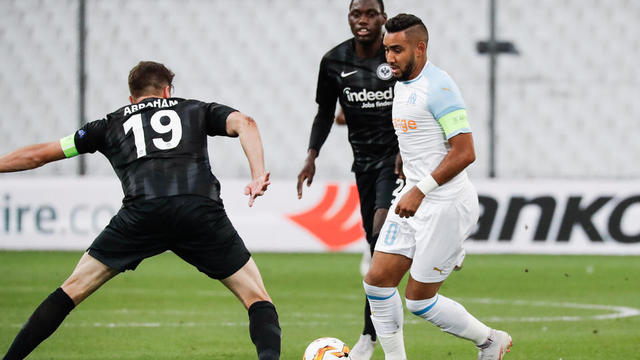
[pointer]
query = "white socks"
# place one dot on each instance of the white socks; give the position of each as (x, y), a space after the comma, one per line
(387, 317)
(451, 317)
(393, 346)
(447, 314)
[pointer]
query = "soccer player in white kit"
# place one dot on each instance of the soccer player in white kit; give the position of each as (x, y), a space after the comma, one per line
(437, 208)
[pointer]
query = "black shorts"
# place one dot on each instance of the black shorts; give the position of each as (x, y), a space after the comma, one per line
(375, 188)
(194, 227)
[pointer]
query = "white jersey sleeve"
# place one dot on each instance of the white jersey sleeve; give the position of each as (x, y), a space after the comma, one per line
(446, 105)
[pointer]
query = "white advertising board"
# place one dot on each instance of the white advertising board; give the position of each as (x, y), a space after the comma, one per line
(526, 216)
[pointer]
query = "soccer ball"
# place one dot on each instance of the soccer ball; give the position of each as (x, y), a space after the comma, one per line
(326, 348)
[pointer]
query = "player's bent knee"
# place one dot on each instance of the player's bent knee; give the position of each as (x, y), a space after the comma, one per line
(376, 277)
(371, 279)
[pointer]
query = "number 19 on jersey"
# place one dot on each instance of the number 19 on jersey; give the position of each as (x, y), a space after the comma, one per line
(174, 127)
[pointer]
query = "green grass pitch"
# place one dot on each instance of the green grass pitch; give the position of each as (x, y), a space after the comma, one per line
(555, 307)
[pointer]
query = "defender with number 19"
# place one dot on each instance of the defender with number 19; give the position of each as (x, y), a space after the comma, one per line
(158, 148)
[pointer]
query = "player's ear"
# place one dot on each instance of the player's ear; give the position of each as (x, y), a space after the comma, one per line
(421, 46)
(166, 92)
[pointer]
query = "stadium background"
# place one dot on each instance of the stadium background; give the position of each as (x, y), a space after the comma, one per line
(566, 121)
(566, 105)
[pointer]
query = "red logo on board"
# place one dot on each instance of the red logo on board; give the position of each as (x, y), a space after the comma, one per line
(333, 231)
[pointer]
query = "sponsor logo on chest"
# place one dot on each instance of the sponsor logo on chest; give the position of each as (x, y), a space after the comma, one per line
(404, 125)
(369, 98)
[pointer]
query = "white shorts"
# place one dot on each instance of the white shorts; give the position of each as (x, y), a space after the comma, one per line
(433, 237)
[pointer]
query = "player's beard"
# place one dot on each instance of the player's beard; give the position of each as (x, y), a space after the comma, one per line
(406, 72)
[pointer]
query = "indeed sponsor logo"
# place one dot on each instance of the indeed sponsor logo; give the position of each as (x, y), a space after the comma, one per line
(368, 95)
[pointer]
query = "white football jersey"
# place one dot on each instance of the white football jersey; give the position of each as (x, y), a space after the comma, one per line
(427, 111)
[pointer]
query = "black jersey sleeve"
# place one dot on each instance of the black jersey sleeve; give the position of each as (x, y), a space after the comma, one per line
(321, 127)
(91, 137)
(326, 97)
(326, 93)
(216, 118)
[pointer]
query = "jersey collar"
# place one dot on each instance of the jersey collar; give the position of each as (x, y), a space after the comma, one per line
(419, 76)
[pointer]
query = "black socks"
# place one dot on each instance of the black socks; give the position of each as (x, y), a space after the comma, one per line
(368, 324)
(42, 323)
(263, 327)
(265, 330)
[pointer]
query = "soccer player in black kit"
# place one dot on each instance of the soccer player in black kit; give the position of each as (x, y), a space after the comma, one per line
(158, 148)
(356, 74)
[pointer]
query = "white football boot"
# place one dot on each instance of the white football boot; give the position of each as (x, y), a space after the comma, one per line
(498, 344)
(363, 349)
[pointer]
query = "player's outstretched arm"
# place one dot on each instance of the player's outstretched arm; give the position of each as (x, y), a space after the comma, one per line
(31, 157)
(243, 126)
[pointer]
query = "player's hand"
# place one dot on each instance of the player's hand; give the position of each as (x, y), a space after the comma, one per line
(307, 173)
(409, 203)
(398, 167)
(257, 187)
(340, 118)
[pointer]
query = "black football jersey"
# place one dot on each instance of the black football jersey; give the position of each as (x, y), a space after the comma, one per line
(158, 147)
(364, 88)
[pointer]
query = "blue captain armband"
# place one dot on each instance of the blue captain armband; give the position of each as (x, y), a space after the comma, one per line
(68, 146)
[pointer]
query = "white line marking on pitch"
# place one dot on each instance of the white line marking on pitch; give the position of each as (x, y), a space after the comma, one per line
(616, 312)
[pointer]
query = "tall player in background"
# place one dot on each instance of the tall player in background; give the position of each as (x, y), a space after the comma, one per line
(158, 148)
(437, 209)
(356, 73)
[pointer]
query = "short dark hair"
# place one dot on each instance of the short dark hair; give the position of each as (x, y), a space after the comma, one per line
(379, 3)
(402, 22)
(149, 77)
